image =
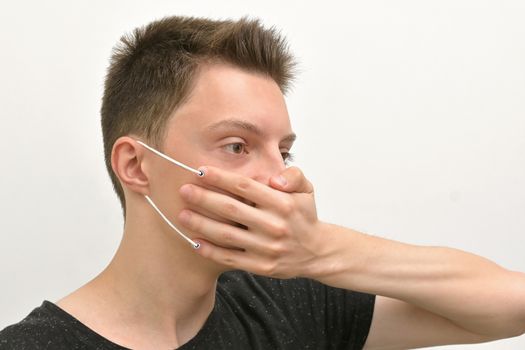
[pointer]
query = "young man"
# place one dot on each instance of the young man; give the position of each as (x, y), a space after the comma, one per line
(211, 93)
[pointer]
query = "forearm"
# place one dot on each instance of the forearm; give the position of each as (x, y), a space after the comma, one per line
(474, 293)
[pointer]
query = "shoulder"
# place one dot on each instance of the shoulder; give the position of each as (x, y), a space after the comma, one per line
(46, 327)
(333, 316)
(28, 333)
(242, 284)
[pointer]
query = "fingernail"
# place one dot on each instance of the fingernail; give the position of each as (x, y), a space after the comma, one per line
(281, 180)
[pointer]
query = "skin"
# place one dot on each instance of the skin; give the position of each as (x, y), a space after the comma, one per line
(426, 295)
(139, 301)
(246, 219)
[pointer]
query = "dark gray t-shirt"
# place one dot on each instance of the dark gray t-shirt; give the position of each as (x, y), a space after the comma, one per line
(251, 312)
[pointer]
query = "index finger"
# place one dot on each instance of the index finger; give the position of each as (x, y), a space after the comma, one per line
(242, 186)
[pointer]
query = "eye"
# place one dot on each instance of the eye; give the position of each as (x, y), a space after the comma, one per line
(236, 148)
(287, 157)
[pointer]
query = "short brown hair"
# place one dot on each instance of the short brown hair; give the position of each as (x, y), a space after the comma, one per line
(152, 70)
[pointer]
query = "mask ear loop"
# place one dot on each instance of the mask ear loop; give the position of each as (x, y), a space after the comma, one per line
(194, 244)
(182, 165)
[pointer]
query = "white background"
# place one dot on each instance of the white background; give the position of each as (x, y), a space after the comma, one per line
(410, 116)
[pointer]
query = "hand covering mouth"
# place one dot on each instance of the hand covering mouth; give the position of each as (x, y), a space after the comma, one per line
(234, 196)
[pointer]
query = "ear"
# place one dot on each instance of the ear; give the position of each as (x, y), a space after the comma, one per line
(127, 162)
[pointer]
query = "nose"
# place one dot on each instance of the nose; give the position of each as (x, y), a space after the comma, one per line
(267, 165)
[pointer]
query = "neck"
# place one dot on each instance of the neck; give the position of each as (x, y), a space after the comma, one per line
(156, 286)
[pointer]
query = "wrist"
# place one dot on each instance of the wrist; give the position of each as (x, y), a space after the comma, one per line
(331, 253)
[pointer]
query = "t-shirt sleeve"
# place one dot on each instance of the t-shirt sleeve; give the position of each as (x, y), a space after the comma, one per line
(328, 317)
(349, 316)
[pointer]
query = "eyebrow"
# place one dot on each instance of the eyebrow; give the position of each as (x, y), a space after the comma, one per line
(244, 125)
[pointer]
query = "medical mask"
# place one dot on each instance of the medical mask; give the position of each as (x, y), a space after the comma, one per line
(195, 245)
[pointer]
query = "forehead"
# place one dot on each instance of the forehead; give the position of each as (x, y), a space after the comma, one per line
(223, 92)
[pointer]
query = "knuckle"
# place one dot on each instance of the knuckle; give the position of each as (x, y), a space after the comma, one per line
(278, 249)
(227, 237)
(287, 206)
(230, 209)
(309, 186)
(243, 186)
(229, 261)
(270, 268)
(299, 182)
(278, 229)
(295, 173)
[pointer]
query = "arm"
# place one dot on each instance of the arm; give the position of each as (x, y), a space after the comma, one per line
(431, 295)
(442, 295)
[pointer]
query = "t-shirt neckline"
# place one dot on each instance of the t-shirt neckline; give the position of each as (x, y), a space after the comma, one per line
(207, 328)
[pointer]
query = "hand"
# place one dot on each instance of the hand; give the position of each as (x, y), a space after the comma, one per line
(280, 234)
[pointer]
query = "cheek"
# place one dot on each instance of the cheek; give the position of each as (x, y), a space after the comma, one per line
(168, 179)
(166, 192)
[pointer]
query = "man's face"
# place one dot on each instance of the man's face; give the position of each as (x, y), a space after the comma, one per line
(233, 119)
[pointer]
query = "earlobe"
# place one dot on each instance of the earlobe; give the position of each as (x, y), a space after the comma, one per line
(127, 163)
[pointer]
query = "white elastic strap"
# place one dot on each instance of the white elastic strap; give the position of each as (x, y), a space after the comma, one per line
(194, 244)
(182, 165)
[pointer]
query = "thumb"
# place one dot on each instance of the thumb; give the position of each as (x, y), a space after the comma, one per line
(291, 180)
